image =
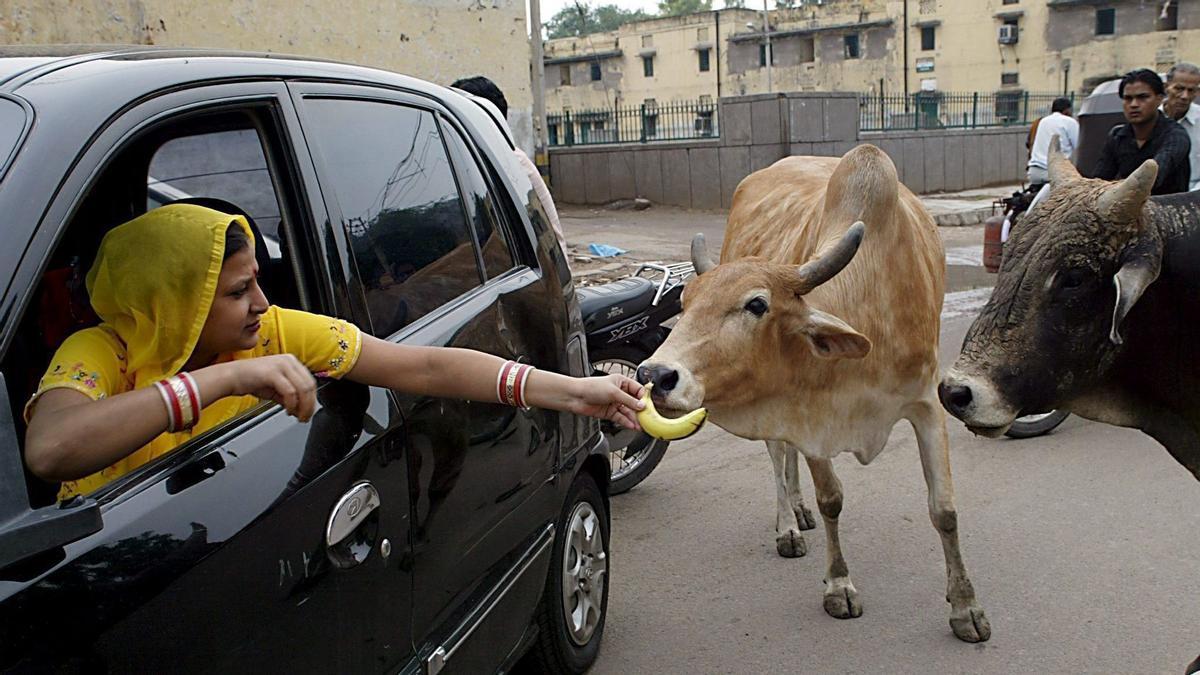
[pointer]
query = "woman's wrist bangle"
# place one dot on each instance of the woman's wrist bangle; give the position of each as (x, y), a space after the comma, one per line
(511, 382)
(181, 395)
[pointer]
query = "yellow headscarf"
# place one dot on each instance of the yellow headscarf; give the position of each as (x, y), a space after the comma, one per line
(153, 283)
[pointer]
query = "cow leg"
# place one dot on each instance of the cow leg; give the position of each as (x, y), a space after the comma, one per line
(789, 543)
(804, 517)
(967, 618)
(841, 598)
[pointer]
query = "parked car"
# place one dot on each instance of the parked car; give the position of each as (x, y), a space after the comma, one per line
(392, 532)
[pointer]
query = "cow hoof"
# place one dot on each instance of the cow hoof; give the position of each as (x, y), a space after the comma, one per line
(970, 624)
(841, 602)
(804, 517)
(791, 545)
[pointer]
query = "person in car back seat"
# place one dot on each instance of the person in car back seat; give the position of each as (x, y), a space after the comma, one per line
(188, 341)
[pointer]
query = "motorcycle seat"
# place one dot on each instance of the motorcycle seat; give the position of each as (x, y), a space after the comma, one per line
(615, 301)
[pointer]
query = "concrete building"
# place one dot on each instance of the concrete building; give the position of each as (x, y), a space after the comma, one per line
(873, 46)
(436, 40)
(1045, 45)
(847, 46)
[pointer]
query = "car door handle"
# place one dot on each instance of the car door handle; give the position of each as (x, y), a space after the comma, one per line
(194, 472)
(350, 512)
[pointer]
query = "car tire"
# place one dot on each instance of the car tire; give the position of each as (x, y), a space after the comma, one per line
(1037, 425)
(566, 644)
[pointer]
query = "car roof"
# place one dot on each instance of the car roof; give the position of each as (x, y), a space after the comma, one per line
(22, 65)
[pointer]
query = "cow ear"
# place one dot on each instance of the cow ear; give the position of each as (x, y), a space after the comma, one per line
(1140, 267)
(831, 338)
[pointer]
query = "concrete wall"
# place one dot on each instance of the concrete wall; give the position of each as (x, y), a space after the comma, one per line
(436, 40)
(757, 131)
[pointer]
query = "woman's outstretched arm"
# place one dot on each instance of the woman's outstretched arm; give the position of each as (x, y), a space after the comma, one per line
(448, 372)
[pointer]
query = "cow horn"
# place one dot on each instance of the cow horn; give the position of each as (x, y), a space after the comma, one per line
(701, 260)
(1122, 203)
(816, 272)
(1061, 169)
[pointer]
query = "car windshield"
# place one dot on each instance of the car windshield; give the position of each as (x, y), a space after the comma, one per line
(12, 124)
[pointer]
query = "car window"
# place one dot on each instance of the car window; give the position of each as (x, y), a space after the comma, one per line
(481, 206)
(12, 124)
(61, 306)
(400, 204)
(228, 165)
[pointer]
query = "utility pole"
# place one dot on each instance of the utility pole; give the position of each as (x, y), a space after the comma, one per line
(538, 72)
(767, 38)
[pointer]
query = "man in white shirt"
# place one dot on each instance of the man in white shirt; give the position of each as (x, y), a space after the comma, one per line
(1058, 123)
(1183, 82)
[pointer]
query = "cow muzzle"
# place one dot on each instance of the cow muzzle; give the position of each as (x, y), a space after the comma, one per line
(674, 387)
(976, 402)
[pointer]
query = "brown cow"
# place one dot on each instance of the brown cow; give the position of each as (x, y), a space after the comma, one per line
(777, 354)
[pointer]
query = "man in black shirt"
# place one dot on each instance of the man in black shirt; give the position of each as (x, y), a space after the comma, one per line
(1148, 135)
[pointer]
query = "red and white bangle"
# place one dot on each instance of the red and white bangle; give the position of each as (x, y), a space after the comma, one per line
(181, 395)
(510, 383)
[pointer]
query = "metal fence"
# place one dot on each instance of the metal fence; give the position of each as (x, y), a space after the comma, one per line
(948, 110)
(676, 121)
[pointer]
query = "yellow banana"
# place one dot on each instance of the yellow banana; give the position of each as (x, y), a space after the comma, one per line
(666, 428)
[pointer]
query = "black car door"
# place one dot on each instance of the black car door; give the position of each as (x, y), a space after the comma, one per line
(262, 545)
(439, 264)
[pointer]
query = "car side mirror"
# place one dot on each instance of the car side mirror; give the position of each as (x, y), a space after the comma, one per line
(24, 531)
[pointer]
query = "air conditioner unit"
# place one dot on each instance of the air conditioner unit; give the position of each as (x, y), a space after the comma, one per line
(1008, 35)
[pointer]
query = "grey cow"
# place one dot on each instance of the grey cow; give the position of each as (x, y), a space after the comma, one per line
(1096, 310)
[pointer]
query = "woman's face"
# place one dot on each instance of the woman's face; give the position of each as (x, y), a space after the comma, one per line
(233, 320)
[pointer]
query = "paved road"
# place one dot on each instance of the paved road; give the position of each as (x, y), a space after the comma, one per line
(1082, 546)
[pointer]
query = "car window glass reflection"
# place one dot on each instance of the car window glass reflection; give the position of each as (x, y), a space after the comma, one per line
(400, 206)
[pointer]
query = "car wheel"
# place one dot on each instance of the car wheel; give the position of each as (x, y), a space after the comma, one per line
(575, 601)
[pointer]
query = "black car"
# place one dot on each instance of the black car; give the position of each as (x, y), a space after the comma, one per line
(392, 532)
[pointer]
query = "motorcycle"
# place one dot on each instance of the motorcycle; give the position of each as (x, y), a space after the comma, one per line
(1026, 426)
(625, 322)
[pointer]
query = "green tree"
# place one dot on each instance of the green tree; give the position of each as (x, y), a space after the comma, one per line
(735, 4)
(679, 7)
(579, 19)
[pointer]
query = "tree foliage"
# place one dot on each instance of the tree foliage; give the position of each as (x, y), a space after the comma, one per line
(680, 7)
(579, 19)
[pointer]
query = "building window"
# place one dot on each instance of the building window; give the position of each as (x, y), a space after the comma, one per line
(648, 66)
(1009, 2)
(1168, 18)
(850, 45)
(564, 75)
(927, 38)
(762, 55)
(808, 50)
(1010, 78)
(704, 62)
(1106, 21)
(595, 72)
